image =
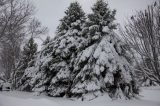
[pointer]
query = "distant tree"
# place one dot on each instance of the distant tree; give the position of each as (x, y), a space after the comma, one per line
(35, 29)
(28, 55)
(7, 58)
(16, 23)
(14, 15)
(142, 33)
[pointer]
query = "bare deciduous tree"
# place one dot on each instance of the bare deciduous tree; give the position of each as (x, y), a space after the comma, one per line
(14, 16)
(16, 22)
(35, 29)
(143, 35)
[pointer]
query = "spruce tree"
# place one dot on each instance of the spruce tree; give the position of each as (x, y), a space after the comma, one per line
(85, 58)
(53, 66)
(67, 43)
(103, 65)
(28, 55)
(36, 78)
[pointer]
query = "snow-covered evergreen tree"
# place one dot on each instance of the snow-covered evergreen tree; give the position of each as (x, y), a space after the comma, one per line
(102, 66)
(52, 69)
(36, 78)
(28, 55)
(85, 58)
(67, 43)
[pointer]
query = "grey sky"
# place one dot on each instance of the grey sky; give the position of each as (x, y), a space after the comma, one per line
(49, 12)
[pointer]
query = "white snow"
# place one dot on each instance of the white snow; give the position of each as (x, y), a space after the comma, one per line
(86, 53)
(23, 99)
(106, 29)
(94, 27)
(149, 97)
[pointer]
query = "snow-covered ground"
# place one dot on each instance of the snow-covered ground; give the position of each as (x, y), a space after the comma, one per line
(149, 97)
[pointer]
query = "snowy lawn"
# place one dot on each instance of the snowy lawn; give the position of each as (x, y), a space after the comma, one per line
(149, 97)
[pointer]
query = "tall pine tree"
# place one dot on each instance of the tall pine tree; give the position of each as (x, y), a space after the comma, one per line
(85, 58)
(28, 55)
(102, 66)
(67, 43)
(37, 77)
(52, 70)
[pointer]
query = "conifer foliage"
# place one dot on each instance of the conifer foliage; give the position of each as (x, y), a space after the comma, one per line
(52, 69)
(102, 66)
(67, 43)
(28, 55)
(85, 59)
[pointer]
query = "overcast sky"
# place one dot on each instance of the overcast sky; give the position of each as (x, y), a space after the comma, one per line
(49, 12)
